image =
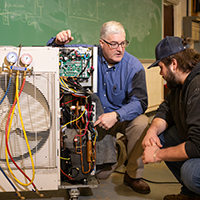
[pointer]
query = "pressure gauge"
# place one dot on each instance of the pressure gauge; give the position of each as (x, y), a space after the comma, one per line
(11, 57)
(26, 59)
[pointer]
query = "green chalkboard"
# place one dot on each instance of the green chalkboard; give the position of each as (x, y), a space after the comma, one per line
(33, 22)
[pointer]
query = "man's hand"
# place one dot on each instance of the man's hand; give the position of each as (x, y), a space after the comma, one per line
(64, 37)
(106, 120)
(158, 125)
(148, 155)
(149, 151)
(151, 135)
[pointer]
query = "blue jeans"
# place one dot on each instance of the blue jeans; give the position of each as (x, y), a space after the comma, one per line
(186, 172)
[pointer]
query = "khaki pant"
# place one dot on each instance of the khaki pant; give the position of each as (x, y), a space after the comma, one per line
(134, 131)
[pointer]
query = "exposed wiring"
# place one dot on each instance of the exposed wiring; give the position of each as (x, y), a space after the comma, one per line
(61, 96)
(79, 95)
(73, 66)
(72, 86)
(86, 127)
(67, 175)
(64, 158)
(95, 138)
(85, 66)
(91, 155)
(74, 119)
(65, 86)
(69, 101)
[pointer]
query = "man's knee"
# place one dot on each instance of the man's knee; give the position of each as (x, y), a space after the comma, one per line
(137, 128)
(141, 123)
(143, 120)
(190, 174)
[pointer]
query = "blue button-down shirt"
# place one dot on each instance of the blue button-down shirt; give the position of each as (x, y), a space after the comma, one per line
(121, 88)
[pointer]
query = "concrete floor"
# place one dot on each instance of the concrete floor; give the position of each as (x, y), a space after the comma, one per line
(161, 182)
(114, 189)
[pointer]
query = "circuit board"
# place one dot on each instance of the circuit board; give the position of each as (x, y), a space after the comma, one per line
(75, 62)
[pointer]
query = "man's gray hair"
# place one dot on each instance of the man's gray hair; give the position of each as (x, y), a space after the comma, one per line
(111, 27)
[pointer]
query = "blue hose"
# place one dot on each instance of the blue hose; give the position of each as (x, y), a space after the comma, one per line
(6, 91)
(8, 179)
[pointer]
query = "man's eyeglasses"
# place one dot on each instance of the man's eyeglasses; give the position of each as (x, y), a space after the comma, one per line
(115, 45)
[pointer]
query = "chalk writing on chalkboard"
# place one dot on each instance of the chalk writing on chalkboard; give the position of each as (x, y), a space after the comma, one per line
(33, 22)
(87, 11)
(19, 11)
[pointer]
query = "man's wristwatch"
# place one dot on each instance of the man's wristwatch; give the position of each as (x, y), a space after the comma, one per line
(118, 117)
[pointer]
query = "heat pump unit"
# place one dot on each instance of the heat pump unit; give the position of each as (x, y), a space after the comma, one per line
(31, 126)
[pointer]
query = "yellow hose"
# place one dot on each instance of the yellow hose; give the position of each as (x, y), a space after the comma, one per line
(25, 136)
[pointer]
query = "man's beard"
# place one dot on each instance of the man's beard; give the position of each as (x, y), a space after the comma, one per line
(171, 80)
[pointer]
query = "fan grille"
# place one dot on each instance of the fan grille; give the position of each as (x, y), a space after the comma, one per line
(36, 105)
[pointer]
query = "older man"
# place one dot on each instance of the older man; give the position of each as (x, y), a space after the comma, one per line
(123, 95)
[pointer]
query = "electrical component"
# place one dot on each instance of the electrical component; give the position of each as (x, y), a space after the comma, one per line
(79, 63)
(79, 139)
(78, 155)
(75, 63)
